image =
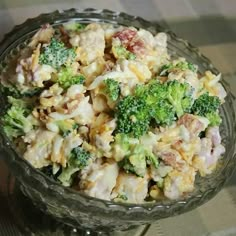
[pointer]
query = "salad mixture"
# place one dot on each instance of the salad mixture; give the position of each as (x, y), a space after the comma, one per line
(104, 109)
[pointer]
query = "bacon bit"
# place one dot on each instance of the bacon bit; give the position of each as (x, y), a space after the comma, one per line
(170, 158)
(194, 125)
(125, 36)
(131, 41)
(136, 46)
(65, 37)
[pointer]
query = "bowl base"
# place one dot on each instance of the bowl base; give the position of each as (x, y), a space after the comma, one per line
(32, 221)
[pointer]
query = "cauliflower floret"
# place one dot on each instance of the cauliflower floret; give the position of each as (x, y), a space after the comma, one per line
(91, 44)
(173, 158)
(121, 73)
(99, 180)
(188, 149)
(212, 85)
(52, 96)
(42, 73)
(213, 133)
(109, 31)
(177, 183)
(39, 150)
(74, 90)
(157, 174)
(101, 133)
(147, 37)
(44, 35)
(81, 110)
(133, 188)
(211, 150)
(93, 70)
(194, 124)
(127, 73)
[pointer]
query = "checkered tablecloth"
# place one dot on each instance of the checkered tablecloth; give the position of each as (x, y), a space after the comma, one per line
(208, 24)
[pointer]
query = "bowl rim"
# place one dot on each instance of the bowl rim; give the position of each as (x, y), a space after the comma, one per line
(71, 193)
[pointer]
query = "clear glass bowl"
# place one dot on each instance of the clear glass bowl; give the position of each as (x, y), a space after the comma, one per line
(81, 211)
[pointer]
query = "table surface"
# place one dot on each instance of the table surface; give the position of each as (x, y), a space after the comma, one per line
(208, 24)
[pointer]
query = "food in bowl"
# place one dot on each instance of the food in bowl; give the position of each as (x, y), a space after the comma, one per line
(106, 110)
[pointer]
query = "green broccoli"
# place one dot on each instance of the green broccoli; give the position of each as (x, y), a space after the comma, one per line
(112, 89)
(66, 126)
(180, 96)
(132, 116)
(56, 54)
(183, 65)
(121, 52)
(67, 79)
(163, 113)
(214, 118)
(207, 106)
(149, 102)
(152, 92)
(153, 102)
(121, 197)
(16, 121)
(121, 146)
(78, 160)
(155, 96)
(136, 162)
(12, 90)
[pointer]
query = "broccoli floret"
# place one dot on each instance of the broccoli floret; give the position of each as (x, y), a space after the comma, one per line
(163, 113)
(183, 65)
(112, 89)
(121, 197)
(56, 54)
(180, 96)
(78, 159)
(12, 90)
(214, 118)
(132, 116)
(66, 126)
(121, 146)
(138, 160)
(152, 92)
(205, 104)
(67, 79)
(15, 121)
(153, 101)
(121, 52)
(155, 96)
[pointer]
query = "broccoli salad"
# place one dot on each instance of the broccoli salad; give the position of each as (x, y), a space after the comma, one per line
(107, 111)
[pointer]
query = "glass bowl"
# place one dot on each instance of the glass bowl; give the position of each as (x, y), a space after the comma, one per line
(79, 210)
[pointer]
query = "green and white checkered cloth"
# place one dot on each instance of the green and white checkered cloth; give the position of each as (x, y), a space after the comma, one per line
(208, 24)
